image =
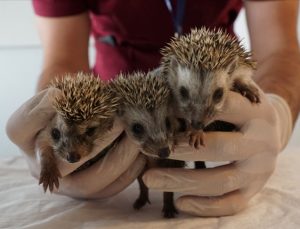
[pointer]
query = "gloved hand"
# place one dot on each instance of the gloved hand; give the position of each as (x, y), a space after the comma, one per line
(108, 176)
(264, 131)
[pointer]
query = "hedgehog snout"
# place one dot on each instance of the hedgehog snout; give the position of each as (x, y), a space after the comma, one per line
(73, 157)
(164, 152)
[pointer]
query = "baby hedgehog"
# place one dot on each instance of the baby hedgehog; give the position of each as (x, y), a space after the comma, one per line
(201, 68)
(146, 113)
(85, 111)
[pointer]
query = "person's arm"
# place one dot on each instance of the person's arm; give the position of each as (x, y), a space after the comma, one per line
(273, 34)
(65, 46)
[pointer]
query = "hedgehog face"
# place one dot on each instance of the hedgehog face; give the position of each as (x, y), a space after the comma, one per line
(72, 141)
(199, 95)
(150, 129)
(144, 111)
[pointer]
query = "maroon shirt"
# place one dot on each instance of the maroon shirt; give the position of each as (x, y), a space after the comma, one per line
(130, 33)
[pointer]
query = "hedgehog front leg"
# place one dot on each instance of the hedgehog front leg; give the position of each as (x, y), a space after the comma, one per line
(49, 172)
(246, 89)
(178, 125)
(196, 139)
(242, 83)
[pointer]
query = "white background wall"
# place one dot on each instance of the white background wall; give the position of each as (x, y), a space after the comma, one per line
(20, 61)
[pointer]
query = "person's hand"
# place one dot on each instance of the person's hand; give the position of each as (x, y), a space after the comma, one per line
(264, 130)
(108, 176)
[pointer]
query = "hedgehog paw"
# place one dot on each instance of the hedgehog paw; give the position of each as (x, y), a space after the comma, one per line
(173, 144)
(141, 202)
(49, 178)
(247, 90)
(196, 139)
(169, 211)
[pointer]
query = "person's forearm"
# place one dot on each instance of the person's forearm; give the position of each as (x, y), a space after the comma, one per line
(280, 74)
(65, 46)
(57, 70)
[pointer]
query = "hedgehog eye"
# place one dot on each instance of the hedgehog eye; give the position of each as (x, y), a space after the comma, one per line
(168, 124)
(218, 94)
(184, 93)
(137, 129)
(90, 131)
(55, 134)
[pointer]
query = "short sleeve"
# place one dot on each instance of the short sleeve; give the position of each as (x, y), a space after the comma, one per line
(59, 8)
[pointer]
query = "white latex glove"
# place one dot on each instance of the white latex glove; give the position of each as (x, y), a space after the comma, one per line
(225, 190)
(108, 176)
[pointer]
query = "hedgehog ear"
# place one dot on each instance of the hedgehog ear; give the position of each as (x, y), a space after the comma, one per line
(232, 65)
(120, 111)
(173, 62)
(54, 94)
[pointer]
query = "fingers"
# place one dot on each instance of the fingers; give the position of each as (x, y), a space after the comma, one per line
(32, 116)
(103, 172)
(122, 181)
(219, 146)
(238, 109)
(225, 205)
(207, 182)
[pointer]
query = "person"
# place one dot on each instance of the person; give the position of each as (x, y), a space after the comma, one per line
(128, 36)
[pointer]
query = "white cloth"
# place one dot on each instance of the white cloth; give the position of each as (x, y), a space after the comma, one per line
(24, 205)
